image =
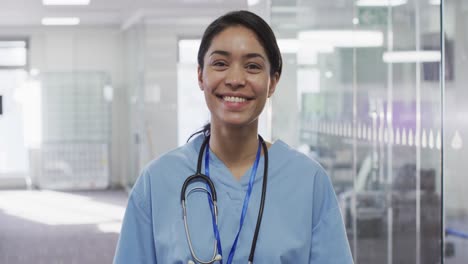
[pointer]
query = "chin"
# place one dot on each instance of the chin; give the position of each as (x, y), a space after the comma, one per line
(235, 120)
(239, 123)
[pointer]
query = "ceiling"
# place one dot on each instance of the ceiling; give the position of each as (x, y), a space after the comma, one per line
(284, 13)
(112, 12)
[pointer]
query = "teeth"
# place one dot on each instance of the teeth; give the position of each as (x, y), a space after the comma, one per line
(234, 99)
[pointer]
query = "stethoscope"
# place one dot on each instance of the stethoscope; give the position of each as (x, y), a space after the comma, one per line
(212, 198)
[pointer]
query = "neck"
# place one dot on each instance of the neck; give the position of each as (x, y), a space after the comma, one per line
(236, 147)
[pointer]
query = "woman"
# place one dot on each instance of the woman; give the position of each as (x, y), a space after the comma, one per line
(299, 222)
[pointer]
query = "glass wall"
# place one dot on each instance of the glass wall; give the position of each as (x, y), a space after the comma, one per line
(455, 131)
(366, 102)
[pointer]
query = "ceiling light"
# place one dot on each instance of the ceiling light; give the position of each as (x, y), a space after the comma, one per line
(344, 38)
(308, 45)
(60, 21)
(300, 45)
(286, 9)
(411, 56)
(288, 45)
(65, 2)
(434, 2)
(12, 44)
(253, 2)
(380, 2)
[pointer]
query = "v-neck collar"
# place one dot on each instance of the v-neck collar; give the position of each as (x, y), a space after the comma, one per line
(220, 173)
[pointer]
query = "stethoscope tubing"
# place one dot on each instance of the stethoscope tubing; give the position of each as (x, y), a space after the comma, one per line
(198, 176)
(262, 202)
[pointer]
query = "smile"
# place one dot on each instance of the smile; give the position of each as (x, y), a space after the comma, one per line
(234, 99)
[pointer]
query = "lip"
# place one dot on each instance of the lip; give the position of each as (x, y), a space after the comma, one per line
(234, 106)
(247, 97)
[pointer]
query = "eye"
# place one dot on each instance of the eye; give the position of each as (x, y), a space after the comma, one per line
(219, 64)
(253, 67)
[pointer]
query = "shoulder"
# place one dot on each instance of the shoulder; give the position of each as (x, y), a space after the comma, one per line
(285, 157)
(291, 167)
(167, 169)
(171, 160)
(183, 157)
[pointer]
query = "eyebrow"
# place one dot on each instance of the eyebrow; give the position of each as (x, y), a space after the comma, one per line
(227, 54)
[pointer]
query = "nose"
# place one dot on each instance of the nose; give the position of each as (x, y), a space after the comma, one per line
(235, 77)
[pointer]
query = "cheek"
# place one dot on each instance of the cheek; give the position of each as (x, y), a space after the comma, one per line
(261, 86)
(209, 99)
(210, 81)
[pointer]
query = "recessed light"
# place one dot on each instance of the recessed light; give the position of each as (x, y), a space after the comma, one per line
(411, 56)
(344, 38)
(60, 21)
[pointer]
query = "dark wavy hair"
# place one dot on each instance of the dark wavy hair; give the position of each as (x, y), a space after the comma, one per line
(251, 21)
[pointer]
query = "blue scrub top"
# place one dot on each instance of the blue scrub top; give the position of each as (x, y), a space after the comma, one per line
(301, 222)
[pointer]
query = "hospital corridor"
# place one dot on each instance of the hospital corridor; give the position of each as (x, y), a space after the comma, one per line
(92, 91)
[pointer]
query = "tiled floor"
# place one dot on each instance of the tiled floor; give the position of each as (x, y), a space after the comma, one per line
(59, 227)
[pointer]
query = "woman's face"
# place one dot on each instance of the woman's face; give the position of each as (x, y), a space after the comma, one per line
(236, 77)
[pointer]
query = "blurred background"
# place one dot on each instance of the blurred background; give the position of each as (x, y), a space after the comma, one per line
(92, 90)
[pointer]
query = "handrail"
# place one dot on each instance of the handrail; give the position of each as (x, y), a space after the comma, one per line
(456, 233)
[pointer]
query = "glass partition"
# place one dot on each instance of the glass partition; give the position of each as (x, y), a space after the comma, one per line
(366, 83)
(455, 131)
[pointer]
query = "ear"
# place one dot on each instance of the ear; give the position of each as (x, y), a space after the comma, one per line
(200, 77)
(273, 82)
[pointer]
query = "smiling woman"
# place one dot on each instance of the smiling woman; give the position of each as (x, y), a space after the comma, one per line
(239, 66)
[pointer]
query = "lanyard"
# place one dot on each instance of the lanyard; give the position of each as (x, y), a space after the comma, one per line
(244, 208)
